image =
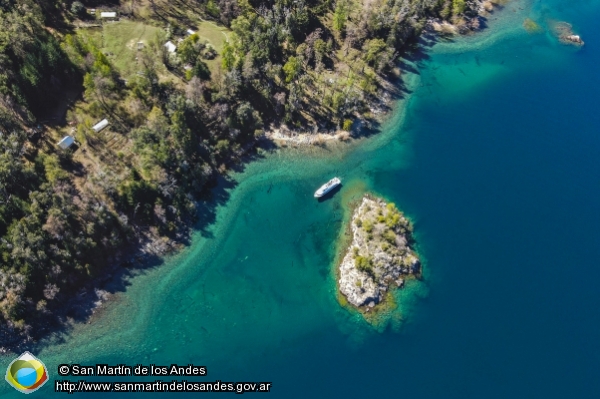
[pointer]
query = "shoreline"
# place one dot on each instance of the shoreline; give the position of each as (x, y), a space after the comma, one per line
(435, 29)
(283, 136)
(142, 253)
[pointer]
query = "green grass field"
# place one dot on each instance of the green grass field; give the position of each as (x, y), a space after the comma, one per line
(216, 36)
(120, 42)
(95, 34)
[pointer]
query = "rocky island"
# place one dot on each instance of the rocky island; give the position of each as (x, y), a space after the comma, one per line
(565, 34)
(379, 257)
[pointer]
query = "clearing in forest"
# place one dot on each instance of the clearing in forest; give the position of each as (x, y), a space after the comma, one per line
(120, 43)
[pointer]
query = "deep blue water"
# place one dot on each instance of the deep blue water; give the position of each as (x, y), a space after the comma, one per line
(498, 163)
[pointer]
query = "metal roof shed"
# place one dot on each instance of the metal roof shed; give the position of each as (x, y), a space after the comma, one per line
(66, 142)
(108, 14)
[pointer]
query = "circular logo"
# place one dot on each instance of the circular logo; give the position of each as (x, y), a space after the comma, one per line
(26, 373)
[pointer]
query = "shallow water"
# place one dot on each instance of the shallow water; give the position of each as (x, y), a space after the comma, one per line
(495, 156)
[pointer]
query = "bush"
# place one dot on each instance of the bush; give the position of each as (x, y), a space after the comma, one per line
(363, 264)
(340, 15)
(292, 69)
(373, 49)
(222, 146)
(392, 220)
(54, 170)
(347, 125)
(358, 223)
(367, 226)
(210, 53)
(201, 70)
(139, 196)
(390, 236)
(77, 8)
(458, 6)
(212, 9)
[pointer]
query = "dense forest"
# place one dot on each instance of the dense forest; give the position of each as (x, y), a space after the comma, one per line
(68, 216)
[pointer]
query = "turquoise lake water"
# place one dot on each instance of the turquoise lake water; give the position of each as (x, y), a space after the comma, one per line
(495, 156)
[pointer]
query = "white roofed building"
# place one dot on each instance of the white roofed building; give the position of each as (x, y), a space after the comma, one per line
(100, 125)
(170, 47)
(108, 14)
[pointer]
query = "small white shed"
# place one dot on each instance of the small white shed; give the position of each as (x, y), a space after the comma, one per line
(66, 142)
(190, 32)
(170, 47)
(100, 125)
(108, 14)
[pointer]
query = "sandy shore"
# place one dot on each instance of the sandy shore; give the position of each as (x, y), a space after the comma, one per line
(283, 136)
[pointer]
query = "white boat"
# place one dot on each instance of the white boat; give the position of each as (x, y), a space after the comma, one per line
(327, 187)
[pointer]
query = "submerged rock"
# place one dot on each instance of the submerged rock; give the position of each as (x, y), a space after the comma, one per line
(565, 34)
(574, 39)
(379, 256)
(531, 26)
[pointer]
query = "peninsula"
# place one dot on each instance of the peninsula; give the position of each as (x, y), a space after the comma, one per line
(380, 256)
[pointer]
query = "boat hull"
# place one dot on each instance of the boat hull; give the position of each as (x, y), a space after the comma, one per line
(327, 187)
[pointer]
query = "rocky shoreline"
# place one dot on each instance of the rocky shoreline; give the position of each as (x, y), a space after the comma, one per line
(283, 136)
(472, 21)
(380, 257)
